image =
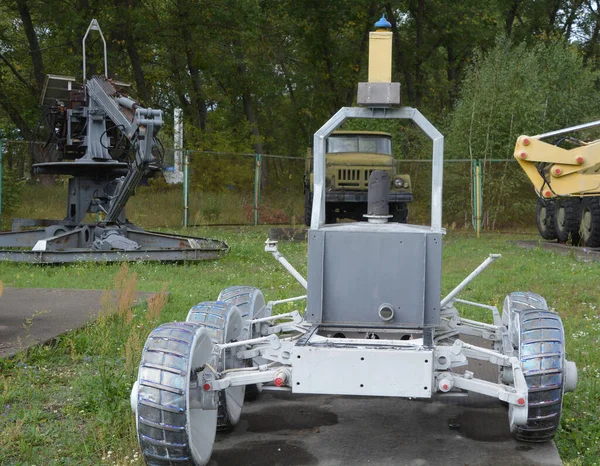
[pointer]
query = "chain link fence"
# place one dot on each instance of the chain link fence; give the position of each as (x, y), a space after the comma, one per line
(249, 189)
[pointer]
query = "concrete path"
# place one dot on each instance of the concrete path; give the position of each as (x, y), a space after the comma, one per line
(29, 316)
(301, 430)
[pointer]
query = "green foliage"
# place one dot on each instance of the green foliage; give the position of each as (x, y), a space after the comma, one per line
(514, 90)
(519, 90)
(12, 190)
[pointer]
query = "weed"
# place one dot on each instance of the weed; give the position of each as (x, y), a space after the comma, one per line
(157, 303)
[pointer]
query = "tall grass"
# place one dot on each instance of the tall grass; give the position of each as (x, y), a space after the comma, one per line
(162, 206)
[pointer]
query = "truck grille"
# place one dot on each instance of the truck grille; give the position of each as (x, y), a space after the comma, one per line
(353, 177)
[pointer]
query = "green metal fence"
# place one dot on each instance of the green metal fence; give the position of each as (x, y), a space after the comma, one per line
(251, 189)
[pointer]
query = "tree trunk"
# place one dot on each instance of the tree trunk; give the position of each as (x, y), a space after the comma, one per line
(452, 72)
(419, 77)
(571, 16)
(124, 9)
(138, 72)
(34, 46)
(511, 15)
(198, 101)
(554, 8)
(15, 116)
(591, 45)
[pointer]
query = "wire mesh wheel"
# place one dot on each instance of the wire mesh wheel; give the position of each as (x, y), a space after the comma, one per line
(567, 220)
(590, 222)
(541, 350)
(544, 216)
(251, 302)
(172, 427)
(225, 324)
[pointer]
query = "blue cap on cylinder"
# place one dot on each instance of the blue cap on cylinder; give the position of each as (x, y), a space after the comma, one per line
(383, 23)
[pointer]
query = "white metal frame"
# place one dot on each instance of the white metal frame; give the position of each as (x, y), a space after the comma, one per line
(405, 113)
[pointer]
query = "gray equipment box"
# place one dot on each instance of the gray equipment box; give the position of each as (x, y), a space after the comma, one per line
(356, 269)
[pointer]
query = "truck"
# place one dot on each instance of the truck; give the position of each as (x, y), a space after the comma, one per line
(351, 157)
(565, 174)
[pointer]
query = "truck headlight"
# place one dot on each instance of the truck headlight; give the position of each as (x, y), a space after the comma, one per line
(399, 183)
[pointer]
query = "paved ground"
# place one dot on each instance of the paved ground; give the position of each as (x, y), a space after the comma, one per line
(34, 315)
(583, 253)
(299, 430)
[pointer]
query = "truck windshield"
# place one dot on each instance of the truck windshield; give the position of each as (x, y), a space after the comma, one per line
(372, 144)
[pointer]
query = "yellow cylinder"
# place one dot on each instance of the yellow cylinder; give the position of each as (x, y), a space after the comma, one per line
(380, 57)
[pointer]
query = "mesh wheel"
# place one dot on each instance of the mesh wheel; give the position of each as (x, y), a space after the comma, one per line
(171, 428)
(513, 304)
(567, 220)
(251, 302)
(225, 324)
(590, 222)
(541, 351)
(544, 216)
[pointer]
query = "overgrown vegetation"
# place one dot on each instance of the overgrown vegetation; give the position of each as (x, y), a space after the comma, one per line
(68, 402)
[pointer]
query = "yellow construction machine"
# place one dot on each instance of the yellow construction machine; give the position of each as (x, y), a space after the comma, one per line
(566, 176)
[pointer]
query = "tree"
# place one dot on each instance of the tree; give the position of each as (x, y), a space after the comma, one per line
(514, 90)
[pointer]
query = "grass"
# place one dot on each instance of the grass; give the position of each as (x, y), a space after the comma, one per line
(223, 208)
(68, 402)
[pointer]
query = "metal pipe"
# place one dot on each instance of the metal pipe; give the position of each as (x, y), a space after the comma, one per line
(479, 195)
(94, 26)
(186, 181)
(271, 246)
(257, 187)
(567, 130)
(293, 315)
(469, 279)
(288, 300)
(471, 303)
(1, 143)
(178, 140)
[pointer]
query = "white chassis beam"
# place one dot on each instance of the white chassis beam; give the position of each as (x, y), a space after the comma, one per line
(367, 367)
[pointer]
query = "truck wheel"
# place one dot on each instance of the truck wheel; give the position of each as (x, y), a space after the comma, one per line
(541, 350)
(330, 215)
(590, 222)
(399, 213)
(172, 426)
(307, 207)
(251, 302)
(544, 216)
(225, 324)
(567, 220)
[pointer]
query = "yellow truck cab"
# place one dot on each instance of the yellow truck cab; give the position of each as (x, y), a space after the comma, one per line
(350, 157)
